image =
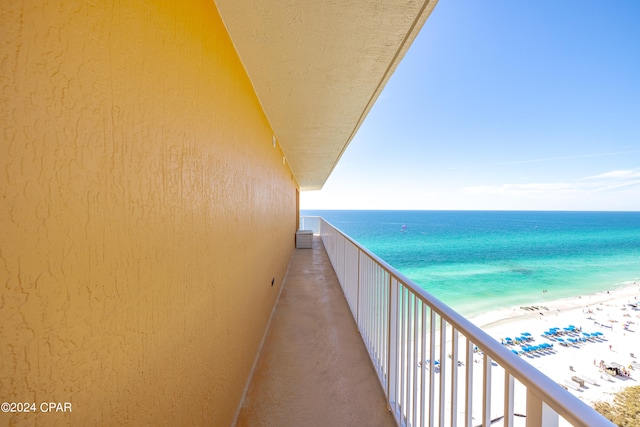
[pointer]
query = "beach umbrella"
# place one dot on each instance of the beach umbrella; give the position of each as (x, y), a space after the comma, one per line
(526, 334)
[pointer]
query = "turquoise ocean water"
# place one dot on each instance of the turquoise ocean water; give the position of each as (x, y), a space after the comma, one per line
(477, 261)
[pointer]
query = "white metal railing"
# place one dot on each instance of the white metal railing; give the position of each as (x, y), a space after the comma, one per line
(436, 367)
(310, 223)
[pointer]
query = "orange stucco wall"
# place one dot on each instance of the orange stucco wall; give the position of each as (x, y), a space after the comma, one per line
(143, 213)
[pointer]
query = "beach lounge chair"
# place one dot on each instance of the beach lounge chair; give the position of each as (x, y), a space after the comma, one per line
(572, 384)
(606, 377)
(578, 380)
(525, 349)
(588, 379)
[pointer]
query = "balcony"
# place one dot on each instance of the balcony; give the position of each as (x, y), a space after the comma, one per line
(415, 361)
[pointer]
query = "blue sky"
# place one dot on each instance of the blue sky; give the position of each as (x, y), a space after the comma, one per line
(504, 104)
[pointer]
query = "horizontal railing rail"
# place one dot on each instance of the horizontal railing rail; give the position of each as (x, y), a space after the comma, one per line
(425, 353)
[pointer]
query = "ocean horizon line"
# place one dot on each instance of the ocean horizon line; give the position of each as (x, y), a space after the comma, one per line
(468, 210)
(478, 260)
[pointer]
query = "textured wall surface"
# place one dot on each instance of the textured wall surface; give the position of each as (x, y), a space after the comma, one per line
(143, 213)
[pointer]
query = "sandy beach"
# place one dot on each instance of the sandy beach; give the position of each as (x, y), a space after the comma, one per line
(609, 313)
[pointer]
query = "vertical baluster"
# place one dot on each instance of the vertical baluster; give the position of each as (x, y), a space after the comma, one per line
(508, 398)
(383, 303)
(356, 263)
(403, 353)
(410, 343)
(416, 359)
(538, 413)
(381, 308)
(372, 311)
(486, 391)
(363, 306)
(387, 278)
(368, 309)
(392, 347)
(410, 348)
(376, 312)
(383, 323)
(454, 377)
(468, 400)
(423, 378)
(432, 355)
(443, 369)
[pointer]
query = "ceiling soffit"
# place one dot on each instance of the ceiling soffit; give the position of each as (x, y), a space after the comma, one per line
(318, 67)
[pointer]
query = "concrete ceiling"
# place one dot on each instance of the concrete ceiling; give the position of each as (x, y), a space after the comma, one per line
(318, 66)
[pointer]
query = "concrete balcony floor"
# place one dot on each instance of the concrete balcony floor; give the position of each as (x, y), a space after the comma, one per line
(314, 369)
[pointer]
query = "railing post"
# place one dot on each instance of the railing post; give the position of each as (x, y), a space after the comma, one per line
(423, 363)
(454, 376)
(538, 413)
(358, 291)
(392, 354)
(486, 391)
(508, 399)
(468, 395)
(432, 355)
(443, 369)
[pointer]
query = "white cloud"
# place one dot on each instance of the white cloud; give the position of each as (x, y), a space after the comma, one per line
(573, 157)
(608, 181)
(521, 188)
(617, 174)
(612, 190)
